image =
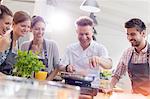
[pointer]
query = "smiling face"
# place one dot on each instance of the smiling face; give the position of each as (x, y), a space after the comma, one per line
(38, 30)
(5, 24)
(22, 28)
(135, 37)
(84, 35)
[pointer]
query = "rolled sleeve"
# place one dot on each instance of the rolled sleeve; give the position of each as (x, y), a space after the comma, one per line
(121, 70)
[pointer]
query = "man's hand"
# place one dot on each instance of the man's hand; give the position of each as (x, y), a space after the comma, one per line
(97, 61)
(70, 68)
(107, 90)
(94, 61)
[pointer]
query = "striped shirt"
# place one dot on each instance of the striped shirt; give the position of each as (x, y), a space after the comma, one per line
(122, 66)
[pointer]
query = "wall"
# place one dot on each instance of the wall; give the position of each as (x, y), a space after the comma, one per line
(111, 22)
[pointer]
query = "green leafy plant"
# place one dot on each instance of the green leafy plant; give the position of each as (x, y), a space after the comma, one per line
(27, 64)
(106, 74)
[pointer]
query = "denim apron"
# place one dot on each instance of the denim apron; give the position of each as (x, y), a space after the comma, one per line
(45, 60)
(139, 74)
(7, 66)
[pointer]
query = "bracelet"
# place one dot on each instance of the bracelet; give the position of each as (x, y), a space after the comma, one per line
(66, 68)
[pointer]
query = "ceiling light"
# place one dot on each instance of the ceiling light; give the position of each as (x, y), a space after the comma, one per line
(90, 6)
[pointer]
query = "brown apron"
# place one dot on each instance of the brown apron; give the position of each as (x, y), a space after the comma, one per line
(139, 74)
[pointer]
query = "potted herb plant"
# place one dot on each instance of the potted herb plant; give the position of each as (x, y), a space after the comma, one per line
(26, 64)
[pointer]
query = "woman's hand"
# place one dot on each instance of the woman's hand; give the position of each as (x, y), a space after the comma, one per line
(4, 42)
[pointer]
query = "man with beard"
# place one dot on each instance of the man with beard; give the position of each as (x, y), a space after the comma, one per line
(135, 60)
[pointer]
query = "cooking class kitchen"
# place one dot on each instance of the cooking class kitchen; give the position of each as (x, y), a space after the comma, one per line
(74, 49)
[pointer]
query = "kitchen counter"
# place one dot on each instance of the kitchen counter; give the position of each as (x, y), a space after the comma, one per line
(22, 88)
(116, 95)
(120, 96)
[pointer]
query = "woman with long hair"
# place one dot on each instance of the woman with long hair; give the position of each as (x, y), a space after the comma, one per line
(20, 26)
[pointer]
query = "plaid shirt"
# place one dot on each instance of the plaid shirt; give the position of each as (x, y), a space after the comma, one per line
(3, 56)
(122, 67)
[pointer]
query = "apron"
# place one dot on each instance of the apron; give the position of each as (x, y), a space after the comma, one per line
(45, 60)
(139, 74)
(7, 66)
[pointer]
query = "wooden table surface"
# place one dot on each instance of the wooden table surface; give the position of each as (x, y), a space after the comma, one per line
(115, 96)
(121, 96)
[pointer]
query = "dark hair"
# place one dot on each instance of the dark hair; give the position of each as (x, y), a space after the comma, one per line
(5, 11)
(36, 19)
(84, 21)
(135, 23)
(21, 16)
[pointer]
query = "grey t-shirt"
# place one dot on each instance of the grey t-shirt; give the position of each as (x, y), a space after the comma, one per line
(52, 53)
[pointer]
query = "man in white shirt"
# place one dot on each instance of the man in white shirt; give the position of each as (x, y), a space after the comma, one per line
(86, 56)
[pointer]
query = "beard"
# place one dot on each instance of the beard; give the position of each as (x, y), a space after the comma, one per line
(2, 32)
(135, 43)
